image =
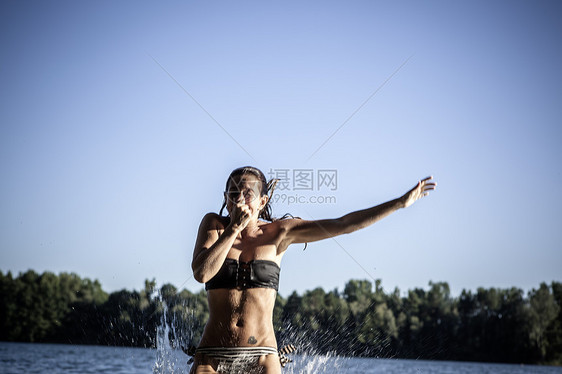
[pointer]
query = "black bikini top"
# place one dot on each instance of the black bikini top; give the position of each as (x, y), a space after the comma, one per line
(244, 275)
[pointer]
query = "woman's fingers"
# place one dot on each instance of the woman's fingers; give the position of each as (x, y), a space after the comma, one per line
(242, 212)
(428, 183)
(243, 207)
(421, 189)
(425, 185)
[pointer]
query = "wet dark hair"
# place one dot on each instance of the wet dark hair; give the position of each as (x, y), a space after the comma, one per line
(266, 188)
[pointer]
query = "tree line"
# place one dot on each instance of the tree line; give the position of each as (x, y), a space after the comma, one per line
(489, 325)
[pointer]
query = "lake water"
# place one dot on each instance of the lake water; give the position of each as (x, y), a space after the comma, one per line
(19, 358)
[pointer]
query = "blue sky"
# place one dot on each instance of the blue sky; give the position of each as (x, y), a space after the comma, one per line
(120, 122)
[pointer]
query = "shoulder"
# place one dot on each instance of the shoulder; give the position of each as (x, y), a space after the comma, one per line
(290, 222)
(212, 220)
(286, 229)
(288, 225)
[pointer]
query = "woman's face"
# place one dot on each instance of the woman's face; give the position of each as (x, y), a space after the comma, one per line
(245, 189)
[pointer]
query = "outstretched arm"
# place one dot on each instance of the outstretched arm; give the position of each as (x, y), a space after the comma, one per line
(301, 231)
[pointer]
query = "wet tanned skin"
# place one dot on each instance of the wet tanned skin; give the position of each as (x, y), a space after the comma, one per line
(239, 318)
(238, 315)
(244, 318)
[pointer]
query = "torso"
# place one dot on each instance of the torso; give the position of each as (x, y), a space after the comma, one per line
(244, 317)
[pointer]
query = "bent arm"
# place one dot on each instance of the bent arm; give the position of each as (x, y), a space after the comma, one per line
(210, 248)
(300, 231)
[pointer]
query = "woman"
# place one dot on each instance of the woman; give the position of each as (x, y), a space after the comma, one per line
(238, 258)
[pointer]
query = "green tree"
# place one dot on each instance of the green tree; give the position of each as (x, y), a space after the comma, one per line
(554, 330)
(9, 322)
(543, 311)
(487, 325)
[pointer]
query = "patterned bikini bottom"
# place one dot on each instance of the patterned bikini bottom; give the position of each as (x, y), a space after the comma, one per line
(237, 360)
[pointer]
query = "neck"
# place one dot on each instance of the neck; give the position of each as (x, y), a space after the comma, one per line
(251, 228)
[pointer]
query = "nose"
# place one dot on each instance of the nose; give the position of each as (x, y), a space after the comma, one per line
(236, 196)
(240, 198)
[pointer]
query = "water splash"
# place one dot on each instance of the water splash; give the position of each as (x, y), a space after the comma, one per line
(309, 359)
(169, 359)
(176, 330)
(314, 363)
